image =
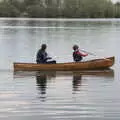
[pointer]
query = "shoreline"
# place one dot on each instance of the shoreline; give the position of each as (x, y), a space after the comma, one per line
(60, 19)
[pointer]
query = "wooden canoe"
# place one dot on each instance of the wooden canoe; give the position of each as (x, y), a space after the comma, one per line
(95, 64)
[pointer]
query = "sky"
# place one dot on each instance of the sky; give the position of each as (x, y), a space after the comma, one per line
(116, 1)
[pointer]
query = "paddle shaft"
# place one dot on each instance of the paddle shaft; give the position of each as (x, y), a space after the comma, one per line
(88, 52)
(92, 54)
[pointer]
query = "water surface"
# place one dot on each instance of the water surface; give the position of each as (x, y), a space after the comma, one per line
(58, 95)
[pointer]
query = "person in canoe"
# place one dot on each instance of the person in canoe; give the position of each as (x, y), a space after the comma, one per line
(42, 56)
(77, 54)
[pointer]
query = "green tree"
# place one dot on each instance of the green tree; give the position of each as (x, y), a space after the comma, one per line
(60, 8)
(117, 10)
(31, 2)
(36, 11)
(8, 10)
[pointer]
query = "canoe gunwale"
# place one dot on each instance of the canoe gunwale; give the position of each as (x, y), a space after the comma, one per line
(107, 59)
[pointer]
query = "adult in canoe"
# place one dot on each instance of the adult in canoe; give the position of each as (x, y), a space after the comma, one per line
(77, 54)
(42, 56)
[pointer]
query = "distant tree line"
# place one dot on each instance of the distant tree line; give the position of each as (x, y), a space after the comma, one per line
(60, 8)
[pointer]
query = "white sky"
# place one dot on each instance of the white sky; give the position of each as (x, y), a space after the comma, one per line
(115, 0)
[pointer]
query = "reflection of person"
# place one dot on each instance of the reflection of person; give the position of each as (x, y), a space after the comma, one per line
(76, 82)
(42, 56)
(77, 55)
(42, 83)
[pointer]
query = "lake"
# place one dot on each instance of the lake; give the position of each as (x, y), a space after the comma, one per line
(59, 95)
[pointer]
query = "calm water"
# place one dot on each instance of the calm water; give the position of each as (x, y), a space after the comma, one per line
(58, 95)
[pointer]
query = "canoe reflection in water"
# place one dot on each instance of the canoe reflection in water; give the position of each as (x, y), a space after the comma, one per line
(76, 78)
(42, 78)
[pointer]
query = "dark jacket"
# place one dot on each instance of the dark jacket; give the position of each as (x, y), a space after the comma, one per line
(42, 57)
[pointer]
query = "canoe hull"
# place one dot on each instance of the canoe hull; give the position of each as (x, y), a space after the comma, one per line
(87, 65)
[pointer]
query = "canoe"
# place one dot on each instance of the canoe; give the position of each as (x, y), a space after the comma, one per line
(95, 64)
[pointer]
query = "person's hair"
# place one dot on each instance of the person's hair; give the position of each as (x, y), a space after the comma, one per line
(43, 46)
(75, 47)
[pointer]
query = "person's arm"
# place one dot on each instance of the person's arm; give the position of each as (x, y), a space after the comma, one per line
(82, 54)
(47, 57)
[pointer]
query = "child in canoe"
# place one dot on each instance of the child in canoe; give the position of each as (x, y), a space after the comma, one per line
(77, 55)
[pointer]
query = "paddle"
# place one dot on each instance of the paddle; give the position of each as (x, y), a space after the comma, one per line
(88, 52)
(92, 54)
